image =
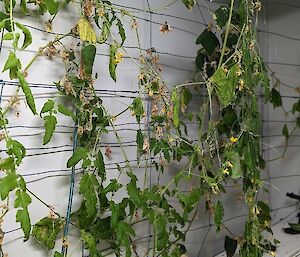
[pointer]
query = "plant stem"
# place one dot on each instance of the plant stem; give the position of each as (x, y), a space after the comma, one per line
(226, 34)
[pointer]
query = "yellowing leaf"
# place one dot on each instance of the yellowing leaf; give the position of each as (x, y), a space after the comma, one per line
(86, 31)
(46, 230)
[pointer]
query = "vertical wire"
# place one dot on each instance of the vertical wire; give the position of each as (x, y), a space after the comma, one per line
(205, 237)
(64, 248)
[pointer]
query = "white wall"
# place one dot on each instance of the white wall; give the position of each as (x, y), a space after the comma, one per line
(180, 42)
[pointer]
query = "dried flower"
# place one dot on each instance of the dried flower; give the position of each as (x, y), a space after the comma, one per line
(48, 25)
(165, 28)
(146, 146)
(108, 151)
(134, 24)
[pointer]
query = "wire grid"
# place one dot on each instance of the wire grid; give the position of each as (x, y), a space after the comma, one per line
(63, 149)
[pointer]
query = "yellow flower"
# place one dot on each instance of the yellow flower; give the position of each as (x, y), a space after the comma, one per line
(225, 171)
(118, 57)
(233, 139)
(229, 164)
(273, 253)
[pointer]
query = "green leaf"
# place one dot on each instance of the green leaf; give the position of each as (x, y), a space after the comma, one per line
(134, 193)
(209, 41)
(87, 189)
(123, 233)
(222, 16)
(27, 91)
(23, 6)
(230, 246)
(219, 213)
(138, 108)
(7, 164)
(162, 234)
(64, 110)
(140, 143)
(90, 242)
(3, 16)
(22, 199)
(48, 106)
(46, 230)
(186, 97)
(225, 85)
(200, 59)
(8, 36)
(189, 3)
(234, 158)
(12, 63)
(50, 124)
(275, 98)
(296, 107)
(16, 149)
(78, 155)
(113, 186)
(88, 54)
(57, 254)
(176, 109)
(8, 184)
(27, 36)
(295, 226)
(52, 6)
(112, 61)
(104, 32)
(285, 132)
(22, 216)
(114, 219)
(121, 31)
(100, 165)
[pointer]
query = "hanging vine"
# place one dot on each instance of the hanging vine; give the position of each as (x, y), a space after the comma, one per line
(230, 76)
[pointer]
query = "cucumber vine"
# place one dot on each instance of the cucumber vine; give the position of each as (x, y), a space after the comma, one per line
(230, 75)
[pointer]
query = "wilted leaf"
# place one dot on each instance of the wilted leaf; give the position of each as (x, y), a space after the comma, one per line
(86, 31)
(46, 231)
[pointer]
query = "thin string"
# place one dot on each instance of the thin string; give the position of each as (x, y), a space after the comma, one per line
(64, 248)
